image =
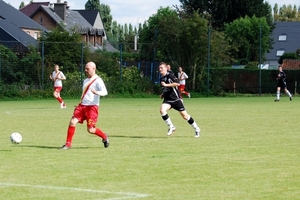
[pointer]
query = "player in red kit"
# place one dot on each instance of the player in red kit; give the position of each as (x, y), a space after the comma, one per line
(93, 88)
(57, 77)
(182, 76)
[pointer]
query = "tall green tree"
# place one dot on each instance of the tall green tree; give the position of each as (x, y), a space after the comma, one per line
(286, 13)
(150, 31)
(129, 35)
(24, 69)
(193, 43)
(9, 61)
(114, 29)
(22, 4)
(221, 12)
(106, 18)
(246, 34)
(114, 34)
(63, 48)
(182, 40)
(92, 5)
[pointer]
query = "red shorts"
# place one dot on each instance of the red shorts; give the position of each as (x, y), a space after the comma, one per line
(181, 87)
(57, 89)
(88, 113)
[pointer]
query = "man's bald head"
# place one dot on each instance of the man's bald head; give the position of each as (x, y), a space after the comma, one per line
(90, 69)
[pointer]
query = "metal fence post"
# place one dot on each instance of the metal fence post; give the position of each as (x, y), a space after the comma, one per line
(260, 64)
(120, 46)
(208, 60)
(0, 65)
(43, 63)
(81, 60)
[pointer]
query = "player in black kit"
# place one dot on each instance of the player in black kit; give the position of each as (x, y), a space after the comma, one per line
(281, 84)
(169, 83)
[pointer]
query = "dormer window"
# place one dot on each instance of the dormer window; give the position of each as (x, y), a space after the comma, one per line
(41, 20)
(280, 52)
(282, 37)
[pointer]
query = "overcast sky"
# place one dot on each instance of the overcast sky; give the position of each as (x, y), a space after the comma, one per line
(132, 11)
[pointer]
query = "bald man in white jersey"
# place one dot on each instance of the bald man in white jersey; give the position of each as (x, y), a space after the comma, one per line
(93, 88)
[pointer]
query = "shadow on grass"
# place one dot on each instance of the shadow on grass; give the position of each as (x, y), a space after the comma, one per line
(50, 147)
(141, 137)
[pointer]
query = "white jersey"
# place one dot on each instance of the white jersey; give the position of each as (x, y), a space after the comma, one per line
(55, 75)
(180, 76)
(88, 97)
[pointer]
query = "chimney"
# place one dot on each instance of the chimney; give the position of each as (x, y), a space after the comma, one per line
(60, 9)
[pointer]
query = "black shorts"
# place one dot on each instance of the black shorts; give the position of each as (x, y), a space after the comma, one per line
(177, 104)
(281, 84)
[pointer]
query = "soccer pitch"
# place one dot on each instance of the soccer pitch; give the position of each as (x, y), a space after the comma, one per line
(248, 149)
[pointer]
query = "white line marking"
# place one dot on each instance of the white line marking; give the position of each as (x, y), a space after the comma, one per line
(126, 195)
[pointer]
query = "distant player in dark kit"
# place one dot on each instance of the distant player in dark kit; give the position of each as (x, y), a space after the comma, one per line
(281, 84)
(169, 83)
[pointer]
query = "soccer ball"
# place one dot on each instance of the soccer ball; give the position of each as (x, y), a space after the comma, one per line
(16, 138)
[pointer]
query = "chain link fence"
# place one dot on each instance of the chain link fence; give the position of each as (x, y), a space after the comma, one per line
(24, 69)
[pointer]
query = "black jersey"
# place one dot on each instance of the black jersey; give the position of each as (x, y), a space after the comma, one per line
(281, 80)
(281, 77)
(170, 93)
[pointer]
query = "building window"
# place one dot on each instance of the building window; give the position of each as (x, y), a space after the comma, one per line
(35, 35)
(41, 20)
(280, 52)
(282, 37)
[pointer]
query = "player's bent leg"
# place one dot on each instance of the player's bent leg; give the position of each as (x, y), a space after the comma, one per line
(73, 121)
(163, 111)
(191, 121)
(70, 133)
(288, 93)
(277, 94)
(184, 114)
(164, 108)
(55, 94)
(99, 133)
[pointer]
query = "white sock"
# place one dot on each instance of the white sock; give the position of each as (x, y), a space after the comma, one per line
(169, 122)
(277, 95)
(194, 125)
(288, 93)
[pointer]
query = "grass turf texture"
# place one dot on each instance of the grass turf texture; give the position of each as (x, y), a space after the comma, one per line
(248, 149)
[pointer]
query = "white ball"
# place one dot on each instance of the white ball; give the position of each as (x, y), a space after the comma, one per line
(16, 138)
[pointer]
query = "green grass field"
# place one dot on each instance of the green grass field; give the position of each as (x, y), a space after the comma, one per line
(248, 149)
